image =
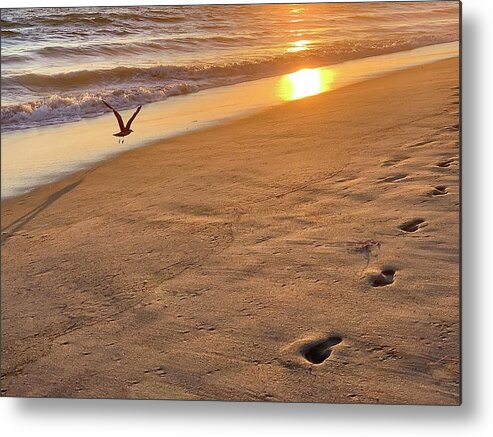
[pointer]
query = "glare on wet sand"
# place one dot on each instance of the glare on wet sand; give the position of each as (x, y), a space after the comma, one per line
(306, 82)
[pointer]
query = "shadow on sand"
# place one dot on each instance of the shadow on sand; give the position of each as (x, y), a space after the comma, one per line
(18, 224)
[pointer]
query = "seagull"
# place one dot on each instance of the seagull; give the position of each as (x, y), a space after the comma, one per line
(124, 130)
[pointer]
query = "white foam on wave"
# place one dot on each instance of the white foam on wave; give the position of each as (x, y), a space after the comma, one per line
(59, 109)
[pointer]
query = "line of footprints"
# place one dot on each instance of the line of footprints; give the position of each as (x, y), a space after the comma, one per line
(386, 277)
(316, 352)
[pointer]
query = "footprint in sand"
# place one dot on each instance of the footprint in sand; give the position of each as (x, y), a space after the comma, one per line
(445, 164)
(394, 178)
(439, 190)
(453, 128)
(318, 351)
(412, 225)
(386, 277)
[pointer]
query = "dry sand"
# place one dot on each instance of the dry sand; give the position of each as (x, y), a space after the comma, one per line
(217, 265)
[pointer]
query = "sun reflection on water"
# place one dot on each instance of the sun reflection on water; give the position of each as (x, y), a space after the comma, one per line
(299, 46)
(306, 82)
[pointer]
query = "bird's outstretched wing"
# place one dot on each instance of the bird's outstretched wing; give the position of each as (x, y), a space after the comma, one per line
(129, 122)
(117, 115)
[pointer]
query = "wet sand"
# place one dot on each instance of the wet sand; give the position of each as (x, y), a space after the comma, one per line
(35, 157)
(307, 253)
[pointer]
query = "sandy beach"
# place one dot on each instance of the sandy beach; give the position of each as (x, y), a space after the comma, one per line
(306, 253)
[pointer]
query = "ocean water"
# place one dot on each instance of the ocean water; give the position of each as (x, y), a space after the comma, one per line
(58, 63)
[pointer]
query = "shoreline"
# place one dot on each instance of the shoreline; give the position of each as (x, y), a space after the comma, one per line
(257, 77)
(201, 267)
(39, 156)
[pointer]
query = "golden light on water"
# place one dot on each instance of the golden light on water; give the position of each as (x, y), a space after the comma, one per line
(299, 46)
(297, 10)
(306, 82)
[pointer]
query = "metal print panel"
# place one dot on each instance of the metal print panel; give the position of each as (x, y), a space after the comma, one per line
(250, 202)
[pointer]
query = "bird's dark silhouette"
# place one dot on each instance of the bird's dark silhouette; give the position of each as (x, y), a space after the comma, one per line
(124, 129)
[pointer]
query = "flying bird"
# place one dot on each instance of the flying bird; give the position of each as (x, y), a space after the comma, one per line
(124, 130)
